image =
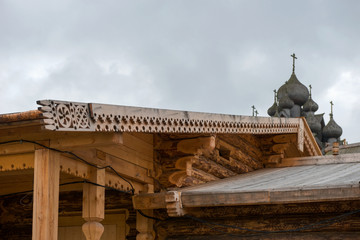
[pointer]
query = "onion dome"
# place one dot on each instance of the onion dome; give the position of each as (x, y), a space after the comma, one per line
(294, 88)
(332, 129)
(310, 105)
(297, 91)
(314, 123)
(285, 102)
(282, 91)
(272, 110)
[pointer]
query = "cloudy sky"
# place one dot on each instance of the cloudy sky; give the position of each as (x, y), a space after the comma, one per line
(198, 55)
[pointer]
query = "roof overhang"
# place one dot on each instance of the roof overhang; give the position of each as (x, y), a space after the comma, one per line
(329, 179)
(73, 116)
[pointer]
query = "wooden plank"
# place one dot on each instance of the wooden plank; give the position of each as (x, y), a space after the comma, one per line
(130, 170)
(114, 181)
(137, 144)
(146, 137)
(206, 199)
(144, 226)
(188, 146)
(149, 201)
(16, 162)
(46, 195)
(16, 148)
(82, 170)
(87, 140)
(129, 155)
(94, 205)
(320, 160)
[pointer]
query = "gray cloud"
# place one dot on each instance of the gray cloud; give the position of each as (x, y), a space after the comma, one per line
(212, 56)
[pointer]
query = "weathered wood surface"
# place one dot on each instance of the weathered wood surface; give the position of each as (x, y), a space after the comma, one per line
(186, 227)
(279, 236)
(46, 195)
(320, 160)
(275, 179)
(191, 161)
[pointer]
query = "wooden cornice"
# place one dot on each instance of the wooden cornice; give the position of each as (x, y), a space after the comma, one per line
(72, 116)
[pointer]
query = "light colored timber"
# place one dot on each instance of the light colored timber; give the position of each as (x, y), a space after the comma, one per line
(144, 226)
(87, 140)
(320, 160)
(16, 148)
(114, 181)
(280, 148)
(46, 195)
(130, 155)
(201, 175)
(239, 159)
(82, 170)
(16, 162)
(213, 199)
(204, 199)
(149, 201)
(137, 144)
(94, 205)
(130, 170)
(189, 146)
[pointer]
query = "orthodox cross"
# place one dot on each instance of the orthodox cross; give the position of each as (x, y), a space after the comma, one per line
(253, 110)
(332, 104)
(294, 57)
(275, 92)
(310, 89)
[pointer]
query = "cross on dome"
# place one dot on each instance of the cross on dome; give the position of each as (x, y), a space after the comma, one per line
(294, 57)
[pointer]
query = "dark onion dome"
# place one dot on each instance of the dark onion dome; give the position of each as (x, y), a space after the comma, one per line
(282, 91)
(285, 102)
(332, 129)
(314, 123)
(272, 110)
(310, 106)
(296, 90)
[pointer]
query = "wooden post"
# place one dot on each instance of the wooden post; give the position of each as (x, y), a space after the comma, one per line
(46, 195)
(94, 205)
(145, 226)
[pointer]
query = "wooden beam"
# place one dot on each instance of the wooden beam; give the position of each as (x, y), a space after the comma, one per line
(214, 199)
(16, 162)
(149, 201)
(16, 148)
(86, 140)
(144, 226)
(46, 195)
(94, 205)
(206, 199)
(319, 160)
(82, 170)
(188, 146)
(130, 170)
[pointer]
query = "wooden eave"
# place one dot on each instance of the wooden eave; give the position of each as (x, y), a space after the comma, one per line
(311, 179)
(72, 116)
(21, 119)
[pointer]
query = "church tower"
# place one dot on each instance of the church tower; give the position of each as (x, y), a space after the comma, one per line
(293, 99)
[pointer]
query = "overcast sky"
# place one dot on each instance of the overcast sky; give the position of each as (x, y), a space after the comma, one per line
(209, 56)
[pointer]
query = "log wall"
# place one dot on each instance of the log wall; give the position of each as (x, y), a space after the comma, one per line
(189, 160)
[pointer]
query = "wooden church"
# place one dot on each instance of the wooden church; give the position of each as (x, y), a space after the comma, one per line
(93, 171)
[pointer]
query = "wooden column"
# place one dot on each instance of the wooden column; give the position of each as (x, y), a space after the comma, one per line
(94, 205)
(46, 195)
(145, 226)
